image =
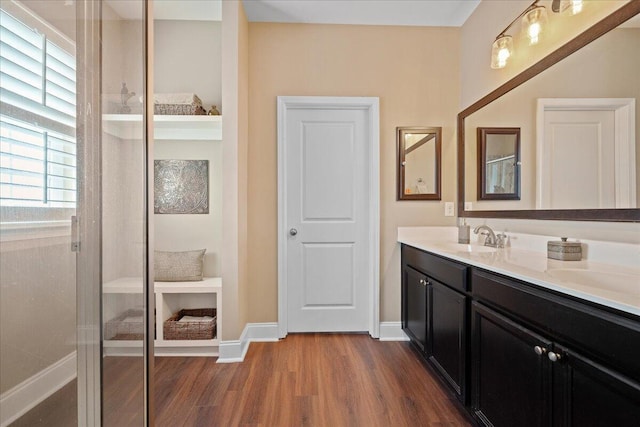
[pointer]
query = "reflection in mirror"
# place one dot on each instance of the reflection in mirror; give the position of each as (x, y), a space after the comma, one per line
(498, 163)
(602, 73)
(418, 163)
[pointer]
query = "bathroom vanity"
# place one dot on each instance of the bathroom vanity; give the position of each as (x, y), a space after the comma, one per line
(520, 339)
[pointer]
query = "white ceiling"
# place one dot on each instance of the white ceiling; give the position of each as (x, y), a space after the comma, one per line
(365, 12)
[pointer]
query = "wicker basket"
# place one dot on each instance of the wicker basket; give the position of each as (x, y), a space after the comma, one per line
(118, 329)
(193, 109)
(174, 330)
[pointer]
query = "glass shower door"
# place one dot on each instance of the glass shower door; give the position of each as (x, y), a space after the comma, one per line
(73, 223)
(124, 219)
(38, 197)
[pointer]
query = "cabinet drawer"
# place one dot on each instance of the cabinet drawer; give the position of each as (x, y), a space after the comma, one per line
(448, 272)
(611, 339)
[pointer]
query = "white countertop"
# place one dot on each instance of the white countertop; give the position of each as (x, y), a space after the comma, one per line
(534, 267)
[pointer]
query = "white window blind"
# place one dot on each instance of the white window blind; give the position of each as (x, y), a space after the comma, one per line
(37, 118)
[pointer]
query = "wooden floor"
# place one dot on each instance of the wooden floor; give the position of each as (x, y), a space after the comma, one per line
(305, 380)
(329, 380)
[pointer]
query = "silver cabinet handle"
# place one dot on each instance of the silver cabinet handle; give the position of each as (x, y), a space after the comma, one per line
(539, 350)
(424, 282)
(293, 231)
(554, 357)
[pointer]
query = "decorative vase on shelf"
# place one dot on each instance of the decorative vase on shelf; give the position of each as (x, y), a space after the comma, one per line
(213, 111)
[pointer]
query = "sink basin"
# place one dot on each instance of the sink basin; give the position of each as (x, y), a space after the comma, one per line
(466, 248)
(610, 280)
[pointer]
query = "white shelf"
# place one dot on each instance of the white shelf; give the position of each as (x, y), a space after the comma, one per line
(187, 343)
(188, 128)
(124, 285)
(207, 285)
(170, 296)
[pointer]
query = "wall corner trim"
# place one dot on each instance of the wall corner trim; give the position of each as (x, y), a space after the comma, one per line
(235, 351)
(392, 331)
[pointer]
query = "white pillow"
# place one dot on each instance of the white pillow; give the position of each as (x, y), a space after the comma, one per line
(178, 266)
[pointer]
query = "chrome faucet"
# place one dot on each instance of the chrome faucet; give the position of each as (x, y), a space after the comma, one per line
(491, 240)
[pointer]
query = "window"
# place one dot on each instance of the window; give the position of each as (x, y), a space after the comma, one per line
(37, 117)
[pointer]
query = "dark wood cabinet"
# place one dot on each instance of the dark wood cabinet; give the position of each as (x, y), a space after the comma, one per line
(511, 382)
(414, 319)
(434, 314)
(540, 359)
(589, 394)
(447, 333)
(516, 354)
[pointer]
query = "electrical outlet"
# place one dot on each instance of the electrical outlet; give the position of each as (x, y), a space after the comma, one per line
(468, 206)
(448, 209)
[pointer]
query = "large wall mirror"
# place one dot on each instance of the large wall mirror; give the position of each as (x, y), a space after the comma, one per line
(578, 111)
(419, 151)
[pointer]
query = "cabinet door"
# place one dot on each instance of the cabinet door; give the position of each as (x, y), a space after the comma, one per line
(589, 394)
(414, 317)
(447, 337)
(511, 383)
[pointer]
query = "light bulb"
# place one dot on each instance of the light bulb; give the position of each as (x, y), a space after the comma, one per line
(534, 33)
(576, 7)
(533, 23)
(501, 51)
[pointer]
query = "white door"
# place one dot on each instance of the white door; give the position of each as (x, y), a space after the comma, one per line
(579, 159)
(328, 218)
(586, 153)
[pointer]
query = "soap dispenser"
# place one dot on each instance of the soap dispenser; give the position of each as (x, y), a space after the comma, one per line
(464, 232)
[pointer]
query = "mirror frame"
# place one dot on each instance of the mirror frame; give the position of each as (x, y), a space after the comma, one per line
(482, 164)
(400, 131)
(607, 24)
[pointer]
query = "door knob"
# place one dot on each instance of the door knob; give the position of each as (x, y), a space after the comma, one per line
(293, 231)
(539, 350)
(554, 357)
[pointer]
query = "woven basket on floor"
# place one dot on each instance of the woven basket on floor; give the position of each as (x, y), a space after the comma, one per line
(174, 330)
(117, 329)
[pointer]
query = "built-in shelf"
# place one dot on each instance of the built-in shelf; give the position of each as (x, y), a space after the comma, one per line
(188, 128)
(170, 297)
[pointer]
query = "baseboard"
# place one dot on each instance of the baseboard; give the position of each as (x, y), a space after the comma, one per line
(235, 351)
(19, 400)
(392, 331)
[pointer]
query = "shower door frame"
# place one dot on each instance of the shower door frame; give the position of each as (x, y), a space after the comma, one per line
(89, 213)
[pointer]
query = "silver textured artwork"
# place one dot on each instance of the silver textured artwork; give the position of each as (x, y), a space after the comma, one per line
(181, 187)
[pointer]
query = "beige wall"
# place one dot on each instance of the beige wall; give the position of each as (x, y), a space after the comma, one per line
(234, 174)
(413, 70)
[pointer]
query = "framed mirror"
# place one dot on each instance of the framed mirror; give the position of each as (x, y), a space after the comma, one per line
(498, 163)
(602, 61)
(419, 151)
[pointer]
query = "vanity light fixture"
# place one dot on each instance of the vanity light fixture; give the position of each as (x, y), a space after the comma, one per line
(534, 20)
